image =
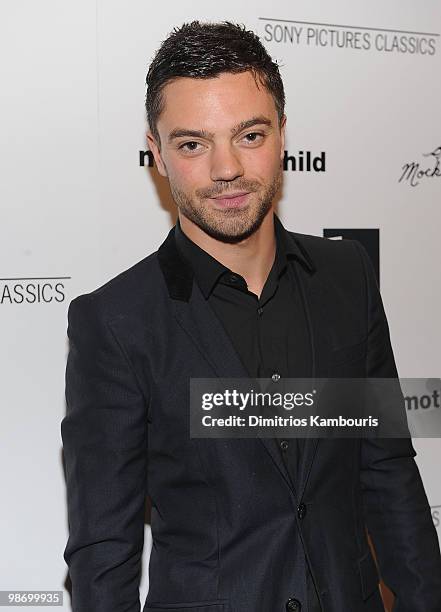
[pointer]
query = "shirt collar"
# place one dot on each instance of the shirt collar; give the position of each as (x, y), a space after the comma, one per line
(208, 270)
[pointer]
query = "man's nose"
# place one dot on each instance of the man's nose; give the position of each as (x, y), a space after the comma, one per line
(225, 164)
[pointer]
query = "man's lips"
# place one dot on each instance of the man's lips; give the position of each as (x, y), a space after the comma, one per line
(231, 199)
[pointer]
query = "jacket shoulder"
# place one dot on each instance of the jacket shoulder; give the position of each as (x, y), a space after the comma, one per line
(126, 292)
(319, 243)
(328, 254)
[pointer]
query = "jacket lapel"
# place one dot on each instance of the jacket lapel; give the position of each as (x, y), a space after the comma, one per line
(199, 321)
(314, 293)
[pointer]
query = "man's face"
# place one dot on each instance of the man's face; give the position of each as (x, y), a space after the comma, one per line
(220, 138)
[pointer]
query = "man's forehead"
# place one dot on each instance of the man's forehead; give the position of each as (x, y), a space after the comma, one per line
(225, 100)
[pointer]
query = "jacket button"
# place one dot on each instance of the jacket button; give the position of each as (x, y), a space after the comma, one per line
(301, 510)
(293, 605)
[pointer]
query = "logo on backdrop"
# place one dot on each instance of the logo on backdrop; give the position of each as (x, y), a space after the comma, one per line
(413, 172)
(354, 37)
(32, 290)
(302, 161)
(369, 238)
(427, 400)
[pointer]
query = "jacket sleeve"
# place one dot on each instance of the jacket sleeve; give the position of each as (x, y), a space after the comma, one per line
(104, 436)
(397, 512)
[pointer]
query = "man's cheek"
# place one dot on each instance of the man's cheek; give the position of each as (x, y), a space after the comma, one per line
(190, 173)
(263, 162)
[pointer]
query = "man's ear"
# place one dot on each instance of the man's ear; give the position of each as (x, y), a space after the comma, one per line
(154, 148)
(282, 136)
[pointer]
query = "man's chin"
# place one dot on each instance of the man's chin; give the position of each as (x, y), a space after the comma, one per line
(228, 229)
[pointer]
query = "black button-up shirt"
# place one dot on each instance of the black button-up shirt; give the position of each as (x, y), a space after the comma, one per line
(266, 331)
(270, 332)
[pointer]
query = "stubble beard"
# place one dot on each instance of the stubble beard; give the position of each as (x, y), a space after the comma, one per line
(229, 225)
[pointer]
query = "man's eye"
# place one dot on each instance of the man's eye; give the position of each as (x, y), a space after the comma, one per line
(253, 137)
(189, 146)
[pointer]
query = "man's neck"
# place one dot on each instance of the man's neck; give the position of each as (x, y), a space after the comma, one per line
(252, 258)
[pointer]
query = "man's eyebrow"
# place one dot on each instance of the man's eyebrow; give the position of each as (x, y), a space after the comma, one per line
(180, 132)
(243, 125)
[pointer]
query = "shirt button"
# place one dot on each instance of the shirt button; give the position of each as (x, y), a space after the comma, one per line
(293, 605)
(275, 377)
(233, 278)
(260, 310)
(284, 444)
(301, 510)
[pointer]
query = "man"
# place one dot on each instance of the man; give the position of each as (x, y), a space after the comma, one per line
(238, 525)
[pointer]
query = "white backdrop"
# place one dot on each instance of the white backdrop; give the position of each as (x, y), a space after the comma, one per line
(77, 207)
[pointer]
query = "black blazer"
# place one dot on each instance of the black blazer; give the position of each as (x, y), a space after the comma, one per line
(227, 533)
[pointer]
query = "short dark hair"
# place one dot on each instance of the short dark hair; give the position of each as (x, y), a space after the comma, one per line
(204, 50)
